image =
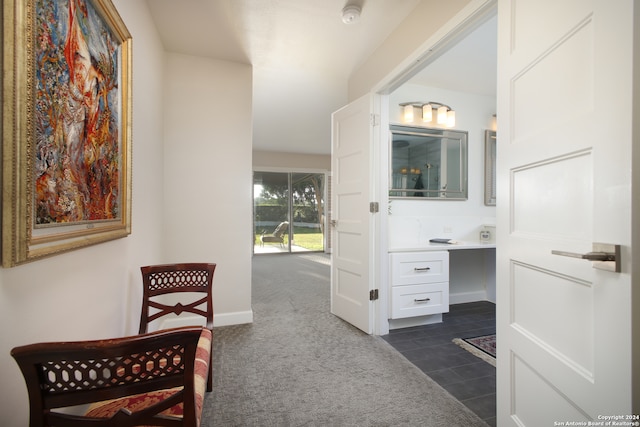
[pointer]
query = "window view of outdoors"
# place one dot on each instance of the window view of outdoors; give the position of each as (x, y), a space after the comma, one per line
(288, 212)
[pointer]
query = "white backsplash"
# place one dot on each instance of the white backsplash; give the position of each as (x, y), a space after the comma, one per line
(416, 231)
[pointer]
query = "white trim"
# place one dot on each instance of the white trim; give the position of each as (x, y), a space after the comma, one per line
(465, 297)
(223, 319)
(236, 318)
(465, 21)
(409, 322)
(288, 169)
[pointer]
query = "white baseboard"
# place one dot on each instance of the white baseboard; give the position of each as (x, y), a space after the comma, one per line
(237, 318)
(414, 321)
(178, 322)
(465, 297)
(224, 319)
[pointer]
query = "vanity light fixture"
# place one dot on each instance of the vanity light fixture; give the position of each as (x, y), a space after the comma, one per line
(444, 115)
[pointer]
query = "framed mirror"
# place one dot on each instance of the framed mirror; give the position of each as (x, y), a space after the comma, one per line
(428, 163)
(490, 167)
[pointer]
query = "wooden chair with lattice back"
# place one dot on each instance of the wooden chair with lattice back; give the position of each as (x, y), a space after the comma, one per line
(149, 379)
(171, 290)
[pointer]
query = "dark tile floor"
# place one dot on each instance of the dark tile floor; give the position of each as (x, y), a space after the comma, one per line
(469, 379)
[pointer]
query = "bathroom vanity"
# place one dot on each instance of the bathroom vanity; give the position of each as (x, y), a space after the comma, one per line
(429, 197)
(425, 280)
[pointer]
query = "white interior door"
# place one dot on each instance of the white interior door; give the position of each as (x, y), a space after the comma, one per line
(351, 252)
(564, 182)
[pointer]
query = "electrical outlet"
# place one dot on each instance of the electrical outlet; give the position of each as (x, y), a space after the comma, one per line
(447, 229)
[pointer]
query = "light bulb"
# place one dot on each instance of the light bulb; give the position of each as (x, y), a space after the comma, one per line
(408, 113)
(451, 118)
(427, 113)
(442, 115)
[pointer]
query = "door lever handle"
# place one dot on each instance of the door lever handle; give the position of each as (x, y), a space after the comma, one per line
(605, 256)
(591, 256)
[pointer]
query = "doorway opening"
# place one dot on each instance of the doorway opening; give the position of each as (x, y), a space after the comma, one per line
(288, 212)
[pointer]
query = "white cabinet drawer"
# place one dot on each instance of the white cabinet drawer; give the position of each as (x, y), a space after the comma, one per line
(419, 300)
(412, 268)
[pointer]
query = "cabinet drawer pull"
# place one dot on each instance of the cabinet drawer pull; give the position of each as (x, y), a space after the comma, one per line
(422, 269)
(422, 300)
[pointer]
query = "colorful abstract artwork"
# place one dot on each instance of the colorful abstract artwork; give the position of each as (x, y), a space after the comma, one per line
(67, 80)
(76, 115)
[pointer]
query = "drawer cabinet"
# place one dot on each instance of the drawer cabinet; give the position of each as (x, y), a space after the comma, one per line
(412, 268)
(419, 283)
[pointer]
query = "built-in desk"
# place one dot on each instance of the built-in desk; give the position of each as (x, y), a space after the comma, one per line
(425, 280)
(446, 247)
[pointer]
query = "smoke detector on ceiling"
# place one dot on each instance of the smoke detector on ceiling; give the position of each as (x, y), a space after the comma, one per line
(351, 14)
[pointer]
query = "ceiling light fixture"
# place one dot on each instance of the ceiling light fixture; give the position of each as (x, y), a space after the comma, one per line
(444, 115)
(351, 14)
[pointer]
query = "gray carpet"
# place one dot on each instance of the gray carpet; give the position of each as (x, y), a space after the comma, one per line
(298, 365)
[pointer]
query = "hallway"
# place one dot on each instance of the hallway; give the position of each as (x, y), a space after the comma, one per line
(299, 365)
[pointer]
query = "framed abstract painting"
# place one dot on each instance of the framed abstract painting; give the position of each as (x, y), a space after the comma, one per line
(66, 127)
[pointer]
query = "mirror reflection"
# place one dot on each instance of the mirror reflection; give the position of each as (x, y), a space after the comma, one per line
(429, 163)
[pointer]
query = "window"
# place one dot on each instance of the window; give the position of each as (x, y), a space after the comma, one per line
(288, 212)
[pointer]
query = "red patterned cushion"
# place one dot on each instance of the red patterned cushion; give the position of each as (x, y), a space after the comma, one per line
(134, 403)
(139, 402)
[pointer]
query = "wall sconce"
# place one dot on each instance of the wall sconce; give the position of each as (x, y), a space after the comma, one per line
(444, 115)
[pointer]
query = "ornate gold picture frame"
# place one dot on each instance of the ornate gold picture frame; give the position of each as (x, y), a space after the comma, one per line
(66, 127)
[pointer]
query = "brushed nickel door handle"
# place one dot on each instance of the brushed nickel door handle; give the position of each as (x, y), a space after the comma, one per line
(604, 256)
(591, 256)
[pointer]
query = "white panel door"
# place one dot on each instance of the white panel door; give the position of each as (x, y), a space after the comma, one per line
(350, 257)
(564, 182)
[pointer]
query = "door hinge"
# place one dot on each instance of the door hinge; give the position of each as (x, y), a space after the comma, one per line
(375, 119)
(374, 207)
(373, 295)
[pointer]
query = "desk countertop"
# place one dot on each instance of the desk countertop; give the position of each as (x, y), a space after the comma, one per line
(446, 247)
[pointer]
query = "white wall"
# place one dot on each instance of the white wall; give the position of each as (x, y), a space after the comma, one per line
(191, 202)
(394, 55)
(291, 161)
(413, 222)
(208, 176)
(93, 292)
